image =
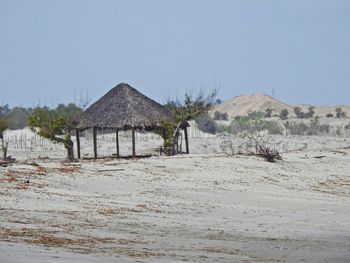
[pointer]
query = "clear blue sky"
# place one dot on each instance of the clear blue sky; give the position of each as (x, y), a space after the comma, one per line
(53, 49)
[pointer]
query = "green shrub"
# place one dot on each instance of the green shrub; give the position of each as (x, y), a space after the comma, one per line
(340, 113)
(268, 113)
(296, 128)
(255, 115)
(313, 128)
(247, 125)
(220, 116)
(284, 114)
(206, 124)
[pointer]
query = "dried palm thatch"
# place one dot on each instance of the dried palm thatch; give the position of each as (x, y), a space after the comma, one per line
(123, 107)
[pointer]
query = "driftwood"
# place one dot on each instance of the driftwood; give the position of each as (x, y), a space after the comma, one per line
(111, 170)
(8, 161)
(320, 157)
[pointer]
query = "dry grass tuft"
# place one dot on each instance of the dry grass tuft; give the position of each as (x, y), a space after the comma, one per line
(53, 241)
(27, 173)
(8, 180)
(26, 185)
(116, 211)
(334, 185)
(69, 169)
(144, 206)
(129, 241)
(136, 253)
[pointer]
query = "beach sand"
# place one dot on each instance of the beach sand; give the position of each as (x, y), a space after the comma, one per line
(208, 206)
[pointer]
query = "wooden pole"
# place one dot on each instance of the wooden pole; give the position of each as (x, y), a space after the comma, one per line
(133, 141)
(78, 142)
(186, 140)
(117, 141)
(94, 135)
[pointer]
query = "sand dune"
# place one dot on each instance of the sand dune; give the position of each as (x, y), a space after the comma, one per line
(242, 105)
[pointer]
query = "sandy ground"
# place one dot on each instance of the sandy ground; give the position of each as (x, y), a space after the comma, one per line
(210, 207)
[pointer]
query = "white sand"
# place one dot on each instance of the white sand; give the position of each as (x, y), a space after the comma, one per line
(203, 207)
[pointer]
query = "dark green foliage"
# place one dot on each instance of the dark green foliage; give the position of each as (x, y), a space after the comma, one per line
(268, 113)
(56, 125)
(192, 108)
(218, 101)
(206, 124)
(17, 118)
(284, 114)
(220, 116)
(347, 127)
(311, 112)
(300, 114)
(340, 113)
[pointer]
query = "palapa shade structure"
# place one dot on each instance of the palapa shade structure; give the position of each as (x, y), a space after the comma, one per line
(123, 108)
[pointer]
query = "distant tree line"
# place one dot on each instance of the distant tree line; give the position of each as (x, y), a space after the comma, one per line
(16, 117)
(257, 121)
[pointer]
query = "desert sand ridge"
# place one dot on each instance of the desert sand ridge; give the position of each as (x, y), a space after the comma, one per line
(243, 104)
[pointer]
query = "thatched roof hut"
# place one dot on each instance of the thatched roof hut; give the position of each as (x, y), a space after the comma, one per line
(123, 107)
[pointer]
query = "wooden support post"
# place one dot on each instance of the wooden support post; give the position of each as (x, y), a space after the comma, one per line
(186, 140)
(164, 135)
(177, 145)
(78, 142)
(133, 141)
(94, 135)
(117, 141)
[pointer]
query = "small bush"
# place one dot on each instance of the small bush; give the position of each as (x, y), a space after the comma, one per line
(268, 113)
(284, 114)
(304, 115)
(256, 115)
(340, 113)
(247, 125)
(206, 124)
(296, 128)
(314, 128)
(220, 116)
(259, 146)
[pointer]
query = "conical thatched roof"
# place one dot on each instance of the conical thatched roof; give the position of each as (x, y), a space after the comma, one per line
(124, 107)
